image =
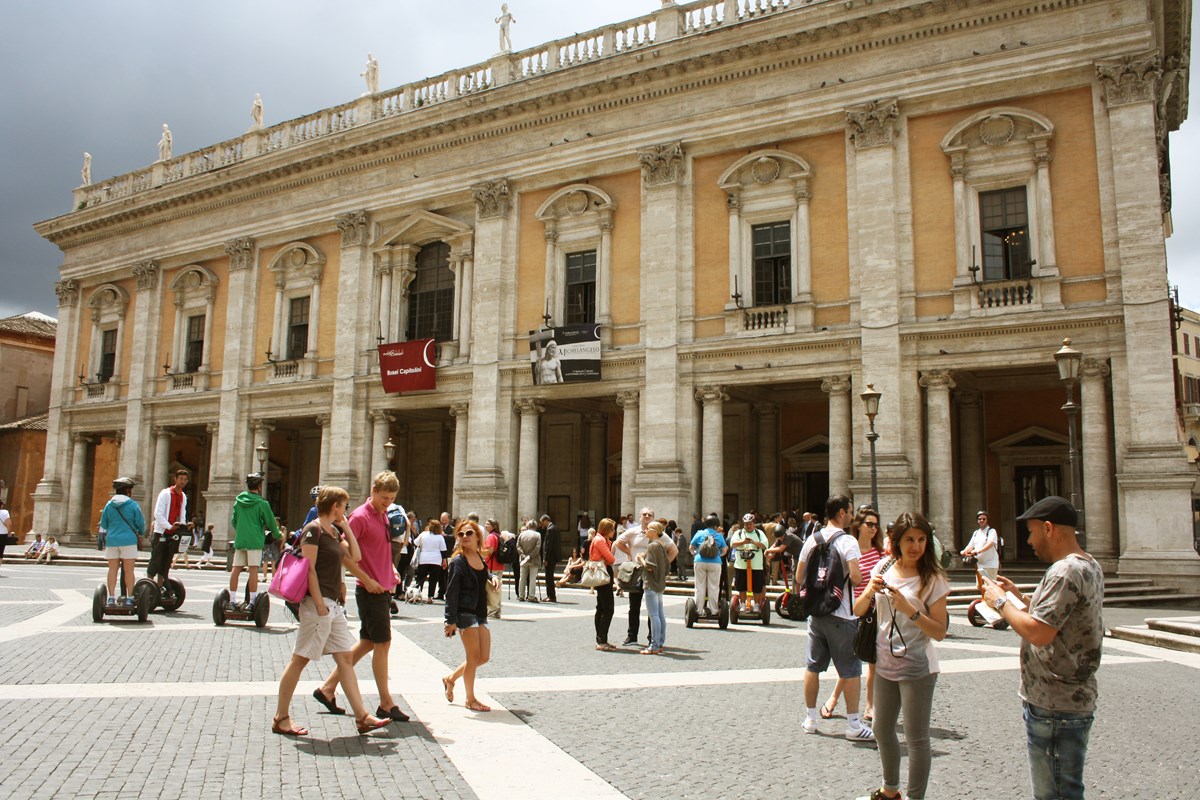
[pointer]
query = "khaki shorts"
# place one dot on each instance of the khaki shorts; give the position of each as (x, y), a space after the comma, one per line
(247, 558)
(319, 635)
(123, 552)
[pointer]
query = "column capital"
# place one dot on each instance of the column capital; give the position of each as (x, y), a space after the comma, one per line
(354, 226)
(82, 438)
(264, 425)
(836, 384)
(401, 429)
(627, 399)
(937, 379)
(491, 199)
(382, 416)
(213, 428)
(711, 394)
(240, 252)
(595, 419)
(967, 398)
(1132, 79)
(765, 409)
(323, 420)
(146, 273)
(460, 410)
(872, 124)
(733, 200)
(661, 164)
(67, 291)
(1093, 368)
(526, 406)
(161, 432)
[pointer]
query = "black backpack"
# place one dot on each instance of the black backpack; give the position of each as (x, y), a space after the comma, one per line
(508, 550)
(824, 579)
(397, 523)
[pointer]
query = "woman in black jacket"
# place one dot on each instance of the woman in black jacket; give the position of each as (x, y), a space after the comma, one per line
(466, 609)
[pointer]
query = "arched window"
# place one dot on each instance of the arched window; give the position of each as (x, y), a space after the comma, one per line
(431, 295)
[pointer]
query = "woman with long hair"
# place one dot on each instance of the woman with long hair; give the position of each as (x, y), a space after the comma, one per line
(466, 610)
(431, 558)
(865, 527)
(601, 550)
(655, 564)
(910, 595)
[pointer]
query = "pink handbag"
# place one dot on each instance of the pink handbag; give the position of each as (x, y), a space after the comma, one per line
(290, 582)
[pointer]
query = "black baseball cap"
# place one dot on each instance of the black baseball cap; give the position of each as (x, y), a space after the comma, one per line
(1055, 509)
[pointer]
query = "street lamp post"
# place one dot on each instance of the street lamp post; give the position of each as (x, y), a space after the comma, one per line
(389, 451)
(261, 452)
(870, 399)
(1068, 359)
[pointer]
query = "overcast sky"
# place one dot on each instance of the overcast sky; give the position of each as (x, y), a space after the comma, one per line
(104, 75)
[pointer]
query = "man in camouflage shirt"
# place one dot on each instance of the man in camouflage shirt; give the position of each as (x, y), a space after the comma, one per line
(1061, 633)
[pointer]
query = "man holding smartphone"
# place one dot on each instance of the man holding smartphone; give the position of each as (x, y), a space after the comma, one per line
(1061, 634)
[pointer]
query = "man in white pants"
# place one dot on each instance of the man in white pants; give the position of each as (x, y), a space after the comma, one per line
(707, 566)
(984, 547)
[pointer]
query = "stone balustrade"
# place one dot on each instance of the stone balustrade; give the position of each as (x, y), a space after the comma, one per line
(671, 22)
(763, 319)
(286, 369)
(1007, 294)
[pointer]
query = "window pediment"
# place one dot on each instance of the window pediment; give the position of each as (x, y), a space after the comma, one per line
(298, 261)
(575, 201)
(422, 228)
(763, 168)
(195, 282)
(108, 298)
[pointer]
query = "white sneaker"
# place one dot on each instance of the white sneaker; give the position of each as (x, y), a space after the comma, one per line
(809, 725)
(860, 733)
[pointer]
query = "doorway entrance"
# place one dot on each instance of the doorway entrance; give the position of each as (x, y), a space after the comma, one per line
(1030, 484)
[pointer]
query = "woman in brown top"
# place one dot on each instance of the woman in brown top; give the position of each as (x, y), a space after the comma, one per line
(654, 580)
(326, 542)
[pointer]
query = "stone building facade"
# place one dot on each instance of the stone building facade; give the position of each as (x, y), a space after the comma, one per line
(763, 205)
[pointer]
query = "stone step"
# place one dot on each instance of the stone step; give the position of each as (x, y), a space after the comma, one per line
(1161, 598)
(1144, 635)
(1182, 627)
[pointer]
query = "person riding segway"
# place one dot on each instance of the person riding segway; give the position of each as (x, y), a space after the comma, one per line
(170, 529)
(750, 544)
(122, 522)
(708, 548)
(252, 519)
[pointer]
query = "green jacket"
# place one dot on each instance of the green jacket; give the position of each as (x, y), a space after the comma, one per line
(252, 516)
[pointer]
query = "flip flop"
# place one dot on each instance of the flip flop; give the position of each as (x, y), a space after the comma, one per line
(289, 731)
(827, 712)
(448, 686)
(477, 706)
(330, 704)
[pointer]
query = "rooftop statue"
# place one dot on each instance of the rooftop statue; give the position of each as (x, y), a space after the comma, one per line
(86, 172)
(256, 112)
(504, 21)
(371, 75)
(164, 144)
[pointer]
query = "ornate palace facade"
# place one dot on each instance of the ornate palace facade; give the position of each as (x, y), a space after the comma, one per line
(764, 205)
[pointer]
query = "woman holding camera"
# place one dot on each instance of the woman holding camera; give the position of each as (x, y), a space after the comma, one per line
(910, 595)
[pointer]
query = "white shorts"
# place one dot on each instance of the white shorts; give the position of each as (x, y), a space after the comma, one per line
(247, 558)
(122, 552)
(319, 635)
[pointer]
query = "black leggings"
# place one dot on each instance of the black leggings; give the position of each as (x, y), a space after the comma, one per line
(604, 611)
(433, 572)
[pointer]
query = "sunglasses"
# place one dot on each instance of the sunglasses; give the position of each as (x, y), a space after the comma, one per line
(871, 524)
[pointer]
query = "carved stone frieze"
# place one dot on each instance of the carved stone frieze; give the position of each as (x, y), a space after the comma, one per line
(872, 124)
(354, 227)
(67, 291)
(491, 199)
(240, 252)
(1132, 79)
(147, 275)
(661, 164)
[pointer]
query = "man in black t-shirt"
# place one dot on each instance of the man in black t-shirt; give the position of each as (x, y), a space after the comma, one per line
(784, 550)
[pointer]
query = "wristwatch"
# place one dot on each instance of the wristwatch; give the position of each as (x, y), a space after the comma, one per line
(916, 615)
(999, 604)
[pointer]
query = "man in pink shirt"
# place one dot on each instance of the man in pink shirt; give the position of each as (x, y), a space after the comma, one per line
(372, 594)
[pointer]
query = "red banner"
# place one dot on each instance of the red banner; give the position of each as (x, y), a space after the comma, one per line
(408, 366)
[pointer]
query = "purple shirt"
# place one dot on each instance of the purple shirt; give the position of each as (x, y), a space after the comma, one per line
(374, 540)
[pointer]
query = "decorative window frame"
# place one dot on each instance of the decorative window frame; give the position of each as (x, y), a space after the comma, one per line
(576, 218)
(195, 290)
(298, 268)
(395, 255)
(762, 187)
(108, 303)
(1001, 148)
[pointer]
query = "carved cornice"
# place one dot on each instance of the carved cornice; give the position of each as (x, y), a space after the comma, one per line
(240, 252)
(147, 275)
(661, 164)
(67, 291)
(872, 124)
(355, 228)
(836, 384)
(491, 199)
(1132, 79)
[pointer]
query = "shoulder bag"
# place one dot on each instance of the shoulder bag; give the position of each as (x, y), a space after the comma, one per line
(594, 574)
(868, 627)
(290, 581)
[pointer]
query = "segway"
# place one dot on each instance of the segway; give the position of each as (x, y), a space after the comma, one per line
(692, 615)
(976, 619)
(781, 602)
(259, 611)
(751, 609)
(140, 608)
(170, 597)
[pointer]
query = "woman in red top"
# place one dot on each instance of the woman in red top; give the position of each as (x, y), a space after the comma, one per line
(491, 553)
(601, 550)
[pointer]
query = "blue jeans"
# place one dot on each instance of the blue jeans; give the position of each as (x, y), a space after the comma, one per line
(658, 619)
(1057, 744)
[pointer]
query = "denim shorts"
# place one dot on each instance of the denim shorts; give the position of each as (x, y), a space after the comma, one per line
(832, 638)
(1057, 744)
(470, 621)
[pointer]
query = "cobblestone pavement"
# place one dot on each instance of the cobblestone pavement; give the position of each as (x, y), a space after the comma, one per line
(180, 708)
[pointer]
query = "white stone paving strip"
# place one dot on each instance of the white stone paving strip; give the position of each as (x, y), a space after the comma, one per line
(72, 605)
(463, 735)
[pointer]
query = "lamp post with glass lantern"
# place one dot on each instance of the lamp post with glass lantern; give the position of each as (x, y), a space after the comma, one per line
(261, 453)
(389, 451)
(1068, 360)
(870, 399)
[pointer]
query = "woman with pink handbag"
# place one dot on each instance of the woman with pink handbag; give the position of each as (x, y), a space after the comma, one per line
(324, 544)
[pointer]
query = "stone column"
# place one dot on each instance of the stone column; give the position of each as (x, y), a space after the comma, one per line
(465, 319)
(142, 365)
(527, 457)
(768, 457)
(628, 401)
(352, 335)
(49, 499)
(971, 459)
(1097, 460)
(604, 283)
(162, 460)
(461, 432)
(314, 319)
(841, 449)
(406, 262)
(400, 465)
(552, 300)
(323, 422)
(384, 325)
(597, 481)
(262, 435)
(712, 448)
(78, 493)
(739, 285)
(380, 424)
(939, 454)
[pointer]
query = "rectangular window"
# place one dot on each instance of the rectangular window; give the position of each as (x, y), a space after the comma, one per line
(1187, 341)
(194, 354)
(431, 295)
(297, 331)
(1196, 341)
(108, 355)
(581, 288)
(1004, 222)
(772, 263)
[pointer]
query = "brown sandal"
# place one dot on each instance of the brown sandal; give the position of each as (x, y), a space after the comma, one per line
(448, 687)
(475, 705)
(366, 727)
(276, 727)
